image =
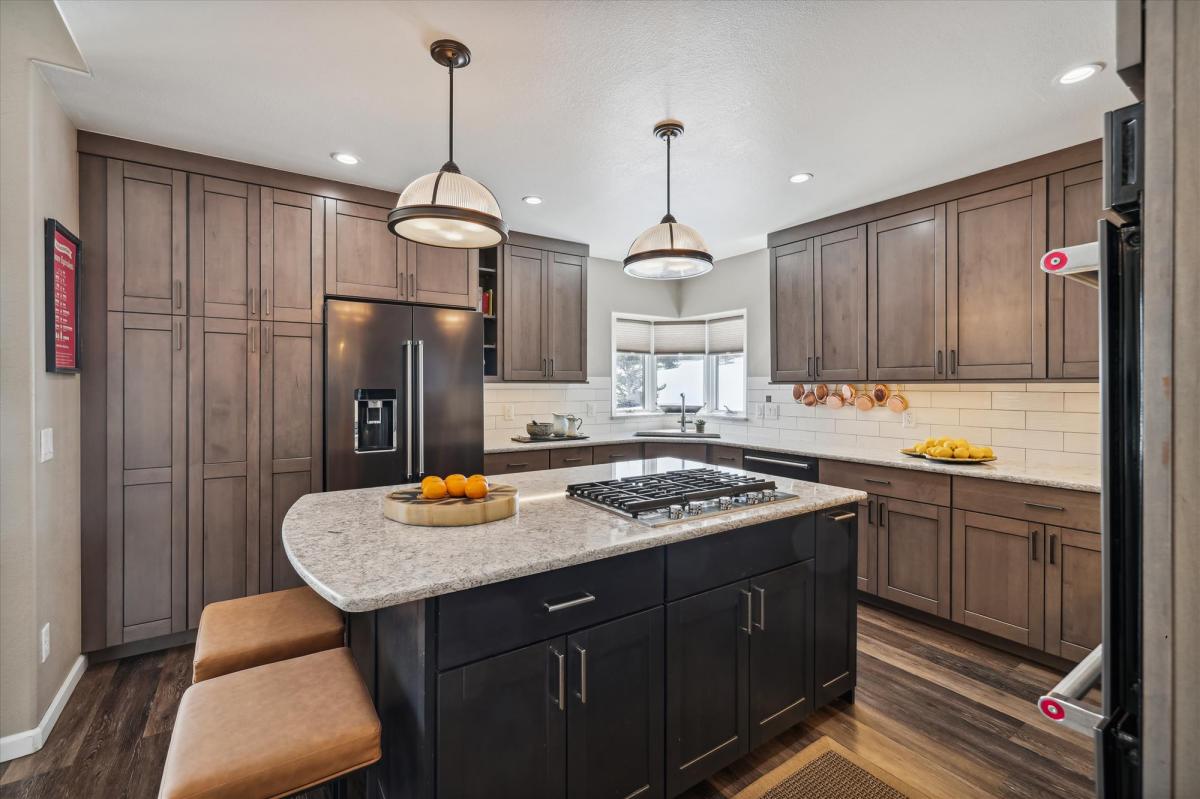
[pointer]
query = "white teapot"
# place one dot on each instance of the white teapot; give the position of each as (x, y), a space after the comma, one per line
(566, 424)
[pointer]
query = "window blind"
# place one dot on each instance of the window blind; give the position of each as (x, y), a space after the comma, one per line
(633, 335)
(727, 334)
(679, 338)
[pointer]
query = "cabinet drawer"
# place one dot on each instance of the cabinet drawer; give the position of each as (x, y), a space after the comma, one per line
(570, 456)
(704, 563)
(725, 456)
(888, 482)
(669, 449)
(1058, 506)
(509, 462)
(495, 618)
(612, 453)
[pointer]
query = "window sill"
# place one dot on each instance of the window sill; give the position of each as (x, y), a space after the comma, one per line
(707, 417)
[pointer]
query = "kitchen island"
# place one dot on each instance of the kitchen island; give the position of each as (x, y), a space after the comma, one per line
(571, 650)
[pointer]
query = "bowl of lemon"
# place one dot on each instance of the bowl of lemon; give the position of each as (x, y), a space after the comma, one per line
(950, 450)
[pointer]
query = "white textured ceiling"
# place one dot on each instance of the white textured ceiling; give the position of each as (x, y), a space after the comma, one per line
(875, 98)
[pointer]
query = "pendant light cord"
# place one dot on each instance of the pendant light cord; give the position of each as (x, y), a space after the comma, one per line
(669, 174)
(451, 131)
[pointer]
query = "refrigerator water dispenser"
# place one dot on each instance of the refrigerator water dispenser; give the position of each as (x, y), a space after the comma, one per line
(374, 420)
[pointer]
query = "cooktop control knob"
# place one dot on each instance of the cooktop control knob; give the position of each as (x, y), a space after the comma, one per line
(675, 512)
(694, 509)
(725, 503)
(768, 494)
(753, 497)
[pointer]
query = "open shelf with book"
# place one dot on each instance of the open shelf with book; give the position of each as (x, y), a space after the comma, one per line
(489, 306)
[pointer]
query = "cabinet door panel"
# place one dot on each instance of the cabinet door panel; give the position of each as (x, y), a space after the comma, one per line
(840, 267)
(362, 257)
(442, 275)
(835, 605)
(146, 486)
(501, 730)
(1073, 586)
(781, 650)
(998, 576)
(147, 246)
(223, 474)
(996, 292)
(914, 554)
(223, 247)
(906, 296)
(524, 320)
(1076, 203)
(792, 308)
(293, 257)
(614, 709)
(290, 438)
(708, 654)
(867, 536)
(566, 316)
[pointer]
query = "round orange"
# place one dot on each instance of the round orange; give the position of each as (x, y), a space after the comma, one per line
(433, 487)
(477, 477)
(456, 484)
(477, 489)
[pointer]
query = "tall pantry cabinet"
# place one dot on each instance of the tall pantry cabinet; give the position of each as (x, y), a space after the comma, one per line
(201, 391)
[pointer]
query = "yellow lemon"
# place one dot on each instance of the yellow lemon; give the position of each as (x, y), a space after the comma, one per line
(976, 452)
(987, 452)
(456, 485)
(962, 453)
(930, 442)
(960, 442)
(919, 449)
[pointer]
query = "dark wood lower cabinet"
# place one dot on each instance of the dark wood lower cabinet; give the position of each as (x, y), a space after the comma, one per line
(781, 649)
(867, 538)
(913, 542)
(501, 727)
(614, 709)
(1073, 592)
(708, 690)
(835, 606)
(999, 576)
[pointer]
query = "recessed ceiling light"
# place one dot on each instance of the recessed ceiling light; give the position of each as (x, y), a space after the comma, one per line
(1079, 73)
(532, 199)
(344, 158)
(801, 177)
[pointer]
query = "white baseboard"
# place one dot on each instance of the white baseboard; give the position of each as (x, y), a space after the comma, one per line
(24, 743)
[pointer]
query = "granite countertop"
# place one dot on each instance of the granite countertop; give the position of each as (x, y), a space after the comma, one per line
(1077, 478)
(342, 545)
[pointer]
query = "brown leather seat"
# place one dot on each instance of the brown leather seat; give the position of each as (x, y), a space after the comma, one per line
(243, 633)
(272, 730)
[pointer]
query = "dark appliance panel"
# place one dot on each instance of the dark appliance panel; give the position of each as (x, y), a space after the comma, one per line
(779, 464)
(449, 392)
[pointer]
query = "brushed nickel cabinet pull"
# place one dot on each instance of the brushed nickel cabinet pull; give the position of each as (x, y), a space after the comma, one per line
(939, 362)
(250, 301)
(545, 368)
(582, 674)
(870, 511)
(1053, 541)
(1033, 540)
(1041, 506)
(572, 460)
(809, 371)
(266, 302)
(882, 513)
(845, 516)
(552, 367)
(177, 339)
(569, 603)
(562, 679)
(876, 481)
(953, 362)
(516, 465)
(254, 339)
(266, 338)
(818, 366)
(762, 607)
(749, 612)
(177, 293)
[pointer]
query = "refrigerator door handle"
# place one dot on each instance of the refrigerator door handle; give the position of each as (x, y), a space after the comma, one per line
(421, 407)
(1062, 703)
(408, 409)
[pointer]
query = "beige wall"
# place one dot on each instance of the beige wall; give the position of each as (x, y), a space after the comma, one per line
(39, 502)
(743, 281)
(610, 289)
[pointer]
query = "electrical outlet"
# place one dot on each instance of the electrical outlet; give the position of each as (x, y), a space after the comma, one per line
(591, 409)
(45, 641)
(47, 444)
(510, 413)
(908, 419)
(772, 410)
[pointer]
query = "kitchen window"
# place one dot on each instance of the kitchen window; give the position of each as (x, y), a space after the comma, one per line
(656, 360)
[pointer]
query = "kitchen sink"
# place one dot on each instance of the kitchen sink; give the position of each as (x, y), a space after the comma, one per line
(675, 432)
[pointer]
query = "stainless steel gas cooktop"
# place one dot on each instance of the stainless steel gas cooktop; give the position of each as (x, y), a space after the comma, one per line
(657, 499)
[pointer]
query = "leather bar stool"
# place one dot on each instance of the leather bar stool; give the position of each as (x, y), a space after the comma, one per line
(272, 731)
(251, 631)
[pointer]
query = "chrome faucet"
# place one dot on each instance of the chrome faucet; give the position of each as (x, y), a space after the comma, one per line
(682, 412)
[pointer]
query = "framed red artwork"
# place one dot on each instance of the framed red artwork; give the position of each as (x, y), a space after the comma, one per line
(64, 258)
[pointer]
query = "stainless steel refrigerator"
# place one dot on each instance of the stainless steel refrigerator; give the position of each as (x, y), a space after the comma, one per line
(403, 393)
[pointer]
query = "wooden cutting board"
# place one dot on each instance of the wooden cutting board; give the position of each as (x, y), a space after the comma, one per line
(407, 506)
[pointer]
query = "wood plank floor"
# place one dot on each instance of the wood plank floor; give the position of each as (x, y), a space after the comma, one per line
(947, 715)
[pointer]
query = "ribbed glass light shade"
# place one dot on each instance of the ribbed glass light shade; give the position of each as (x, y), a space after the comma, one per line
(668, 251)
(448, 209)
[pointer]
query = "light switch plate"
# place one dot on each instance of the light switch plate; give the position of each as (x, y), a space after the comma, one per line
(758, 410)
(591, 409)
(47, 444)
(509, 413)
(772, 410)
(45, 641)
(908, 419)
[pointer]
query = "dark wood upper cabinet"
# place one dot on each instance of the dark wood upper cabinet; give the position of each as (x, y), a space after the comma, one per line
(291, 423)
(223, 248)
(913, 542)
(1076, 203)
(1073, 592)
(998, 576)
(147, 238)
(544, 317)
(292, 257)
(146, 471)
(614, 709)
(792, 301)
(781, 650)
(223, 410)
(840, 284)
(442, 275)
(995, 289)
(566, 316)
(906, 296)
(501, 726)
(362, 257)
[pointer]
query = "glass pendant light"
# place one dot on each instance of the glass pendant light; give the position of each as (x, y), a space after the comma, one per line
(668, 250)
(446, 208)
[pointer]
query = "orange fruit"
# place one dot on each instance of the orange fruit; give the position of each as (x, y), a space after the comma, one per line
(477, 477)
(477, 489)
(433, 487)
(456, 484)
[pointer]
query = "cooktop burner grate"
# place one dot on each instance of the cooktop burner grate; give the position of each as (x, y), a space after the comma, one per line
(691, 491)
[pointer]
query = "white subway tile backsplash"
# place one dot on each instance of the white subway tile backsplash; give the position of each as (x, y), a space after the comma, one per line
(962, 399)
(1067, 422)
(1081, 403)
(1010, 419)
(1027, 400)
(1082, 442)
(1029, 439)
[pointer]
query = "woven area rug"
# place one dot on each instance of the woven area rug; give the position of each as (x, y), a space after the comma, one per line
(827, 770)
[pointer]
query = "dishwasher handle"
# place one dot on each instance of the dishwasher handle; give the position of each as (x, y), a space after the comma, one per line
(1062, 703)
